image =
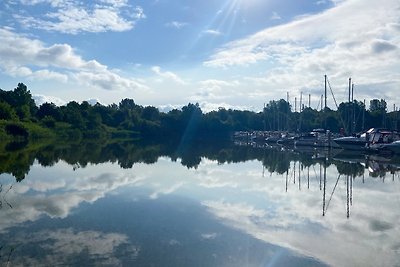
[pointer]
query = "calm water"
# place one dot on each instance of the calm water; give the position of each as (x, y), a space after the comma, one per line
(233, 206)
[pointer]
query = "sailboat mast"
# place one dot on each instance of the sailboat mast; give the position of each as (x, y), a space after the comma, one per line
(349, 89)
(301, 101)
(363, 118)
(325, 91)
(354, 108)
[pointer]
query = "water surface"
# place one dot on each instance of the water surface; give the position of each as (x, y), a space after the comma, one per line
(209, 206)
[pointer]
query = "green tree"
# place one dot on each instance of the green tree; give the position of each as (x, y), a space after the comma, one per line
(150, 113)
(376, 105)
(49, 109)
(7, 112)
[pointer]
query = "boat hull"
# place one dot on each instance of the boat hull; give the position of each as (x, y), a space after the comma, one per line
(351, 143)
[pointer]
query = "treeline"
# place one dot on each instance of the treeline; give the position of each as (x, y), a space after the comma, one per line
(20, 117)
(350, 117)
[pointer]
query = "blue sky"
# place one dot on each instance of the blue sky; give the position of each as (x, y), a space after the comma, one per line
(219, 53)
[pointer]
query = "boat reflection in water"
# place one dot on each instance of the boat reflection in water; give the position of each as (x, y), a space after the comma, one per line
(197, 205)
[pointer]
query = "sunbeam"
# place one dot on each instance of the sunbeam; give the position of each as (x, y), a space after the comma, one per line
(221, 24)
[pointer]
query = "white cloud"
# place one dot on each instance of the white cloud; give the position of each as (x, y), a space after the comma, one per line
(167, 75)
(275, 16)
(73, 17)
(106, 80)
(214, 84)
(93, 101)
(333, 33)
(49, 75)
(61, 196)
(242, 212)
(210, 106)
(209, 236)
(40, 99)
(355, 38)
(176, 24)
(166, 191)
(66, 243)
(56, 62)
(214, 89)
(258, 206)
(212, 32)
(53, 3)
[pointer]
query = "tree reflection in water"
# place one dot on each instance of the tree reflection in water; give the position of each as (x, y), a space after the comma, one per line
(326, 175)
(18, 160)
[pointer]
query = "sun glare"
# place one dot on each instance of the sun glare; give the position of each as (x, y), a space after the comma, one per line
(247, 3)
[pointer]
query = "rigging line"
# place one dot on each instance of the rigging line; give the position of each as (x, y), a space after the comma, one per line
(330, 88)
(334, 99)
(8, 190)
(333, 191)
(319, 102)
(5, 200)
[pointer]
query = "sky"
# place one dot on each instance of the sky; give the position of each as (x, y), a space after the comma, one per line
(236, 54)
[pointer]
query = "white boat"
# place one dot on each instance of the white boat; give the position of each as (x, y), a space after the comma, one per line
(393, 147)
(352, 142)
(379, 140)
(315, 138)
(374, 139)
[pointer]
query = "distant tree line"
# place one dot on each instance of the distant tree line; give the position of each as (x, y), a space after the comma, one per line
(21, 117)
(350, 117)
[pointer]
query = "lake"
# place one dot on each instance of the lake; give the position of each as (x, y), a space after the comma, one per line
(197, 205)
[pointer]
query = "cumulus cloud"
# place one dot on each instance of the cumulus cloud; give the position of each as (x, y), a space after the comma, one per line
(353, 38)
(106, 80)
(39, 75)
(56, 62)
(40, 99)
(213, 89)
(73, 17)
(167, 75)
(333, 29)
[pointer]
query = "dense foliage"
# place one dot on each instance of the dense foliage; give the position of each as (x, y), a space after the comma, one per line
(21, 118)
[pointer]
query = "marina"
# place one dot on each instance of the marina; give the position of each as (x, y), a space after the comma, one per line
(375, 140)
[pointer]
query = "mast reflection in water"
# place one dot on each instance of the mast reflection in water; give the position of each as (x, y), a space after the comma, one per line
(136, 204)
